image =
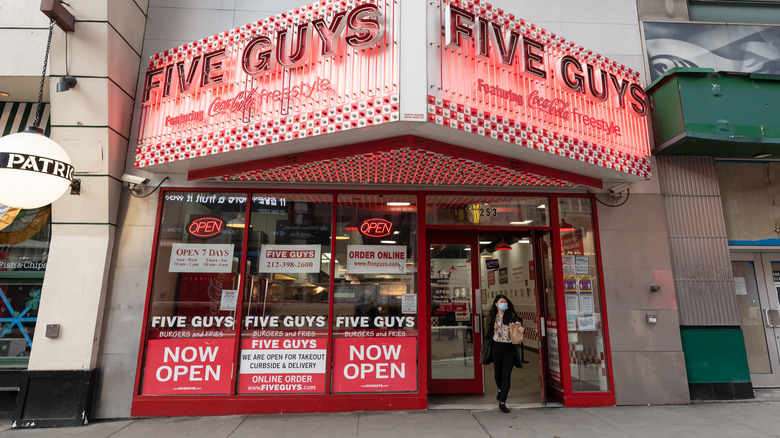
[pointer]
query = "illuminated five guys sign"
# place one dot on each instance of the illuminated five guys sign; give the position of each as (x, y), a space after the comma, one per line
(321, 68)
(510, 80)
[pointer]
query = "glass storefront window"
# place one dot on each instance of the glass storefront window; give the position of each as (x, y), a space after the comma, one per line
(487, 210)
(190, 333)
(375, 298)
(284, 330)
(18, 314)
(547, 279)
(581, 287)
(748, 192)
(272, 299)
(24, 252)
(24, 240)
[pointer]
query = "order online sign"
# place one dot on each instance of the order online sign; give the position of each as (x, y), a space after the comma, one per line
(277, 366)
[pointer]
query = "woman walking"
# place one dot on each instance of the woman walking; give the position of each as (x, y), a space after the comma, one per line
(497, 346)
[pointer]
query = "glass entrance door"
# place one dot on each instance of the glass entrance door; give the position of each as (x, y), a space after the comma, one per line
(455, 340)
(757, 286)
(468, 270)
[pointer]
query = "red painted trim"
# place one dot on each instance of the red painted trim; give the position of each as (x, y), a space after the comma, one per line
(332, 285)
(589, 399)
(387, 144)
(458, 386)
(242, 288)
(172, 406)
(253, 404)
(423, 299)
(536, 238)
(602, 296)
(560, 299)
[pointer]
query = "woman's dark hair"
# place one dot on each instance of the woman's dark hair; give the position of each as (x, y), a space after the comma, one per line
(508, 313)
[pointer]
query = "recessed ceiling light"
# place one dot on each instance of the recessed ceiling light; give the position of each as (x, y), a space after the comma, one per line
(762, 155)
(4, 93)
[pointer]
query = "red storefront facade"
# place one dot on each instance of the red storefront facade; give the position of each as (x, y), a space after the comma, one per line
(337, 262)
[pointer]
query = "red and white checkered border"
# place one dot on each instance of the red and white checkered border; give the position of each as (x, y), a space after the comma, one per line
(337, 118)
(476, 121)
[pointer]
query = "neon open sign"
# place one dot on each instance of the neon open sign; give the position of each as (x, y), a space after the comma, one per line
(206, 227)
(376, 228)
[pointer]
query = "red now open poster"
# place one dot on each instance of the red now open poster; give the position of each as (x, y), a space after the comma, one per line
(188, 366)
(374, 365)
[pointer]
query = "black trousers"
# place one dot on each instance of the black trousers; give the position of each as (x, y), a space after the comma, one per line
(503, 362)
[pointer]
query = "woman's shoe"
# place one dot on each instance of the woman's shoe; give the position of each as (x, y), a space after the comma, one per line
(503, 408)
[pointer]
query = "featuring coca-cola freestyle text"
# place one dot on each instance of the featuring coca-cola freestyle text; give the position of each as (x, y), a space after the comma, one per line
(503, 45)
(490, 39)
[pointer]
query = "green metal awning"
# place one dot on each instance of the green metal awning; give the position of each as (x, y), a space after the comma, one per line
(15, 116)
(718, 114)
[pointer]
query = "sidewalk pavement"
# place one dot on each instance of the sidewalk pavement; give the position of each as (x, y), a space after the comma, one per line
(735, 419)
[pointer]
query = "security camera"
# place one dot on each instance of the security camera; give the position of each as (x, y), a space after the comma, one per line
(620, 189)
(134, 180)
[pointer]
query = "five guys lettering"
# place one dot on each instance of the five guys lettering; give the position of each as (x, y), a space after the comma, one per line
(262, 54)
(587, 79)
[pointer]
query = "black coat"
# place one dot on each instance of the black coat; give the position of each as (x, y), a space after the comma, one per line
(486, 354)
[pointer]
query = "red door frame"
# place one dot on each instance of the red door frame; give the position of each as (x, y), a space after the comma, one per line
(151, 406)
(570, 397)
(457, 386)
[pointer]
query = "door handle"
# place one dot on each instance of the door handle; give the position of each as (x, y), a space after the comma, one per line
(768, 318)
(476, 324)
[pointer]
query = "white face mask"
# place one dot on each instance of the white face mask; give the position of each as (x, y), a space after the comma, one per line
(503, 306)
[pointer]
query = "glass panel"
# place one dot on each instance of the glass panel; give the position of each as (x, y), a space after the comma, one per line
(284, 331)
(24, 239)
(748, 193)
(776, 278)
(507, 268)
(18, 314)
(582, 296)
(24, 252)
(547, 276)
(192, 315)
(486, 210)
(734, 11)
(375, 297)
(750, 314)
(452, 338)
